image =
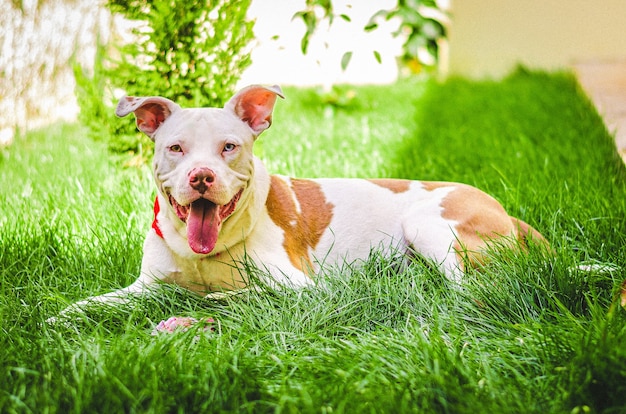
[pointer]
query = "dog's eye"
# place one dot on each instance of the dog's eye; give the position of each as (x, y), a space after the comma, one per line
(176, 148)
(229, 147)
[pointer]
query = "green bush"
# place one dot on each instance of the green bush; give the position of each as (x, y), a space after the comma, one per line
(192, 52)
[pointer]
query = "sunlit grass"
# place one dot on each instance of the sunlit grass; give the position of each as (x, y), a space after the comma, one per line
(527, 335)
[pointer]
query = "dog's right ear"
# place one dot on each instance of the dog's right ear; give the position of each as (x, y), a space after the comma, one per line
(150, 112)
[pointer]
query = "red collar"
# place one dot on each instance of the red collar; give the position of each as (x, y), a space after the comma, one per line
(155, 222)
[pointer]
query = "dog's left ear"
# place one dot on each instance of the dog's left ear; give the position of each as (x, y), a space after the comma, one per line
(254, 105)
(150, 112)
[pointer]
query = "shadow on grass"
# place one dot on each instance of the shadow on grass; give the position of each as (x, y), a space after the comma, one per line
(530, 123)
(534, 141)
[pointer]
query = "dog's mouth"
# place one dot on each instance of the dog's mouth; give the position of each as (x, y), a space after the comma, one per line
(204, 220)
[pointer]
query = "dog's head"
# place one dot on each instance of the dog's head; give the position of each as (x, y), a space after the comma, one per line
(203, 158)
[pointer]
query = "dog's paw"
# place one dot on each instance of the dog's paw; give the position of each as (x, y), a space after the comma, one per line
(67, 316)
(597, 267)
(182, 324)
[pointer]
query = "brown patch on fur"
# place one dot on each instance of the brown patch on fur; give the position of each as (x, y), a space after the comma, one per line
(304, 228)
(433, 185)
(397, 186)
(480, 219)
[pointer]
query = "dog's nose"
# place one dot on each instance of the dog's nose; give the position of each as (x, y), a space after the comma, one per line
(200, 179)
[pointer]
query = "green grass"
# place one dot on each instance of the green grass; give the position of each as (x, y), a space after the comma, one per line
(525, 336)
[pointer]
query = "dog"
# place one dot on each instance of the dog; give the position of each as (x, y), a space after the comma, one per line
(217, 207)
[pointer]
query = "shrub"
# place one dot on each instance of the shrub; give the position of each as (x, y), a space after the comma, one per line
(192, 52)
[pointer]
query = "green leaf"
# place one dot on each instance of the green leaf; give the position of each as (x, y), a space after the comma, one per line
(372, 24)
(304, 44)
(310, 20)
(377, 56)
(345, 17)
(345, 60)
(298, 15)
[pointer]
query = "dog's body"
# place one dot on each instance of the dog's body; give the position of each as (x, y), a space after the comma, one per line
(217, 207)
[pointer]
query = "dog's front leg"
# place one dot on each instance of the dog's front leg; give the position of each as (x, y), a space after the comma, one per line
(118, 297)
(113, 299)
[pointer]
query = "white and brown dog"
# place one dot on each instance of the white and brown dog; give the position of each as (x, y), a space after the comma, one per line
(217, 206)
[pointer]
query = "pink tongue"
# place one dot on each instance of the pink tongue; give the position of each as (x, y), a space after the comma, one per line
(203, 225)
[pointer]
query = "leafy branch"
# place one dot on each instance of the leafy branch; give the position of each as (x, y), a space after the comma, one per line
(423, 23)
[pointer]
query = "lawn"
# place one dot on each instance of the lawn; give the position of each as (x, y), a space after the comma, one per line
(526, 335)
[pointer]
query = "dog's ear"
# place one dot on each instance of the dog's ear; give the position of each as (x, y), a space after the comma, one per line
(254, 105)
(150, 112)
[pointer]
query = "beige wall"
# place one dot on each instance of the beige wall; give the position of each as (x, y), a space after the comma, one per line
(489, 37)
